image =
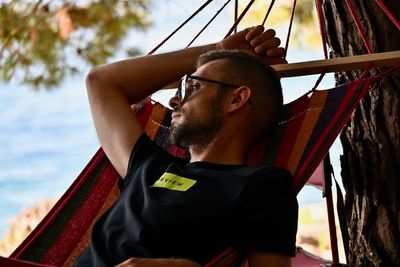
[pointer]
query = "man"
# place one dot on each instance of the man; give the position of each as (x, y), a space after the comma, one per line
(172, 212)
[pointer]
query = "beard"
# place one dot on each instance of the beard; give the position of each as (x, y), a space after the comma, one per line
(200, 131)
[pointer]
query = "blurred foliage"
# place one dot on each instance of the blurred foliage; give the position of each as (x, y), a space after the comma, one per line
(305, 30)
(41, 42)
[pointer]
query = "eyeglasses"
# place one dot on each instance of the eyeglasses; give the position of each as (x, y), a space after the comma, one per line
(187, 86)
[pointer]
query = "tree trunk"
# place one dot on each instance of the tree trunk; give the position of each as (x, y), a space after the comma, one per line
(371, 139)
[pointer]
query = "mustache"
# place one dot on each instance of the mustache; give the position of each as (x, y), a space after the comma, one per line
(177, 110)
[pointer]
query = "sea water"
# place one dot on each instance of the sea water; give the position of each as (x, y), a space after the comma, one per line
(46, 138)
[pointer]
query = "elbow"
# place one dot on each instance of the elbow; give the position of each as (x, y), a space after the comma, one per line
(93, 79)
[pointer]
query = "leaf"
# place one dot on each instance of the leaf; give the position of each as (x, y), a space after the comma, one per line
(41, 42)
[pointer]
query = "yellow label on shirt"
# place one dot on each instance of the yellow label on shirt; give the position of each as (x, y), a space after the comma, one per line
(174, 182)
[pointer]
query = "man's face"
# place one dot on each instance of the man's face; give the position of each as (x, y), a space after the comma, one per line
(197, 120)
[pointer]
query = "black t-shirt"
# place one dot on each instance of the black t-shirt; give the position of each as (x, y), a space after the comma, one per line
(171, 208)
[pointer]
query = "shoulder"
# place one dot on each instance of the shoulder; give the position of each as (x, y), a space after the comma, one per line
(144, 152)
(267, 182)
(268, 178)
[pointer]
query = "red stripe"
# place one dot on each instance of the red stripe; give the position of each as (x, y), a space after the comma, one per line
(144, 113)
(60, 205)
(83, 218)
(228, 258)
(293, 125)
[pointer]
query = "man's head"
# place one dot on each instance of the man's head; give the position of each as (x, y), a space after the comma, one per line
(248, 84)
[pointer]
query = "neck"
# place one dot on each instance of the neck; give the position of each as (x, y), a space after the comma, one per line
(222, 150)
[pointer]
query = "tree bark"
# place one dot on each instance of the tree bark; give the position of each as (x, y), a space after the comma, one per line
(371, 139)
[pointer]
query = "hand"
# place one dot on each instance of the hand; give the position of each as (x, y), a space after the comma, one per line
(150, 262)
(256, 41)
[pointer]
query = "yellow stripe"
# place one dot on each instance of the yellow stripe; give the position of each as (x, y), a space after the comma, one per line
(156, 118)
(174, 182)
(310, 119)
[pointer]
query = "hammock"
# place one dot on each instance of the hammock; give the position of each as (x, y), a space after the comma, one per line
(308, 127)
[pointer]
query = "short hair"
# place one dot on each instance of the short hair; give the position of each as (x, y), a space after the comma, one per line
(245, 69)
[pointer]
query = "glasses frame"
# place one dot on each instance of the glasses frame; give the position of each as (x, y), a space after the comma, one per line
(181, 92)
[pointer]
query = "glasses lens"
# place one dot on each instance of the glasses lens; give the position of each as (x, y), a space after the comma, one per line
(182, 89)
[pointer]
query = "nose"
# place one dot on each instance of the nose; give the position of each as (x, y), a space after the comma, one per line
(174, 102)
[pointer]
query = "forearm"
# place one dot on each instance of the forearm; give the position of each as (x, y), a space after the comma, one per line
(139, 77)
(112, 88)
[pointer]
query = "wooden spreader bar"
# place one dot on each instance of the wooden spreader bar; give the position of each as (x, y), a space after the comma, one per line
(385, 59)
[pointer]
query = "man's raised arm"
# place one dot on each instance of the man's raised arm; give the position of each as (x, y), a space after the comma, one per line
(112, 88)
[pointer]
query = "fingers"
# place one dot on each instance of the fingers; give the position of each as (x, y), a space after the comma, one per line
(254, 32)
(275, 60)
(276, 52)
(235, 41)
(263, 37)
(264, 47)
(257, 35)
(275, 55)
(264, 42)
(256, 41)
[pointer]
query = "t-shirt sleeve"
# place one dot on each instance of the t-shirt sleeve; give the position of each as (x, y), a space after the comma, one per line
(267, 213)
(144, 149)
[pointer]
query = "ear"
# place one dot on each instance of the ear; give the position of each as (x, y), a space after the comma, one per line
(239, 98)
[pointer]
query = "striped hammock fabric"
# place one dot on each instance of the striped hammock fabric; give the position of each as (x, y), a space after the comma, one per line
(308, 127)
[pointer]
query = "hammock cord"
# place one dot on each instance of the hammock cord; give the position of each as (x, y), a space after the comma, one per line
(326, 162)
(208, 23)
(179, 27)
(388, 13)
(323, 39)
(320, 17)
(366, 71)
(290, 27)
(358, 25)
(386, 73)
(269, 10)
(321, 76)
(322, 27)
(363, 37)
(234, 26)
(236, 12)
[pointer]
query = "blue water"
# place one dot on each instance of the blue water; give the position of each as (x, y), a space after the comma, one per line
(46, 138)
